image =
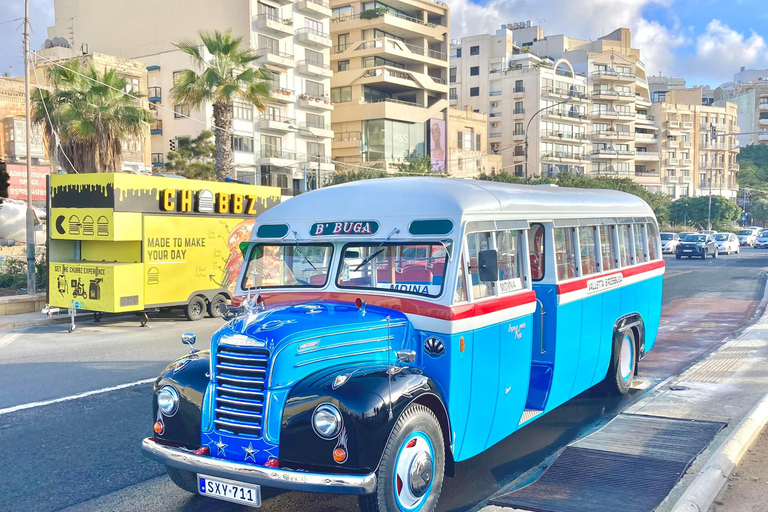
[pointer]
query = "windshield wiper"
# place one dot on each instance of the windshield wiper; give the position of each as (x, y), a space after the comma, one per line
(369, 258)
(298, 248)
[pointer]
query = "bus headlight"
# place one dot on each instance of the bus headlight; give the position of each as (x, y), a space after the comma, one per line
(326, 421)
(168, 401)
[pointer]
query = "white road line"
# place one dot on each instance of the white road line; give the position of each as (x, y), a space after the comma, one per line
(9, 338)
(32, 405)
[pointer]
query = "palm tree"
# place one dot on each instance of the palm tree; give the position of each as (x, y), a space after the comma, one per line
(87, 116)
(228, 75)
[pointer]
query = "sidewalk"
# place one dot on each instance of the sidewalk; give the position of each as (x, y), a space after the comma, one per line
(747, 487)
(725, 386)
(20, 320)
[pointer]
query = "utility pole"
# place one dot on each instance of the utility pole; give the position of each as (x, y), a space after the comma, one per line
(30, 214)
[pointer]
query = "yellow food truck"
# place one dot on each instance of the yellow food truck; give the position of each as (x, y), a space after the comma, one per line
(127, 243)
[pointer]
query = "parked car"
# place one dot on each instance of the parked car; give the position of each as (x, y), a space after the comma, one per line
(707, 232)
(727, 243)
(762, 239)
(699, 245)
(685, 233)
(669, 242)
(747, 237)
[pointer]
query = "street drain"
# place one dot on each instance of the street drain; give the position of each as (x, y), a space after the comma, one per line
(631, 465)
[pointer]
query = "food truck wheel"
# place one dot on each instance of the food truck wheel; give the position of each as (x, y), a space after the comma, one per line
(184, 479)
(623, 363)
(412, 467)
(213, 306)
(195, 310)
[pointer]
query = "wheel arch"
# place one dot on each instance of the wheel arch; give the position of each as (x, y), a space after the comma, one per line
(436, 405)
(633, 321)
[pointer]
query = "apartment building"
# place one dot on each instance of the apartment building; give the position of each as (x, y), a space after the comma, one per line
(693, 163)
(389, 86)
(287, 145)
(751, 99)
(521, 91)
(468, 155)
(624, 136)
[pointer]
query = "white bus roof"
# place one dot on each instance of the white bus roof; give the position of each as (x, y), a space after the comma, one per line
(407, 199)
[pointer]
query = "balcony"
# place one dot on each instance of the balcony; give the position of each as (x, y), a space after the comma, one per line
(283, 2)
(647, 155)
(284, 95)
(564, 114)
(764, 107)
(672, 144)
(612, 74)
(314, 38)
(395, 23)
(604, 94)
(273, 25)
(605, 113)
(314, 102)
(763, 122)
(497, 135)
(518, 136)
(762, 136)
(672, 161)
(322, 9)
(156, 128)
(388, 46)
(603, 153)
(626, 114)
(671, 179)
(644, 117)
(158, 160)
(646, 138)
(562, 155)
(686, 162)
(274, 123)
(569, 136)
(494, 93)
(647, 174)
(321, 130)
(155, 94)
(275, 57)
(518, 91)
(275, 156)
(564, 93)
(314, 69)
(687, 125)
(518, 113)
(675, 125)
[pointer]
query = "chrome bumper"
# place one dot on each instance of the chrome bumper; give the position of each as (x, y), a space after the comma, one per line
(259, 475)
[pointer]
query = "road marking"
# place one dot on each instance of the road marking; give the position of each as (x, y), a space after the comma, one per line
(32, 405)
(9, 338)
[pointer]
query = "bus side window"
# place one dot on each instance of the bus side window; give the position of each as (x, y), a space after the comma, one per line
(652, 235)
(565, 253)
(637, 232)
(536, 246)
(510, 273)
(477, 242)
(625, 247)
(607, 250)
(588, 251)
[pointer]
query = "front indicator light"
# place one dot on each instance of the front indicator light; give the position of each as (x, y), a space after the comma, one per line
(339, 455)
(203, 450)
(159, 427)
(326, 421)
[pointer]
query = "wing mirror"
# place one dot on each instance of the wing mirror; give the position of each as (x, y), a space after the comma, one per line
(189, 338)
(488, 265)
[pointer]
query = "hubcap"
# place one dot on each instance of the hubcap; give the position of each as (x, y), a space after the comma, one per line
(414, 472)
(626, 358)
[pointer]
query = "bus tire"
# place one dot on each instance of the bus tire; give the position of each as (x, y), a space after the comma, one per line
(412, 468)
(213, 306)
(183, 479)
(623, 363)
(195, 310)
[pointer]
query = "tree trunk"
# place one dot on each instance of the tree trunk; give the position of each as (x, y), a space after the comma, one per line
(222, 117)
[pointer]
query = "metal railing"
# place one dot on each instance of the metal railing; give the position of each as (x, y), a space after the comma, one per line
(271, 51)
(494, 135)
(518, 111)
(315, 124)
(154, 92)
(158, 159)
(495, 93)
(347, 136)
(317, 64)
(385, 71)
(646, 117)
(276, 19)
(156, 127)
(320, 3)
(269, 152)
(518, 90)
(564, 135)
(365, 16)
(400, 102)
(275, 118)
(312, 31)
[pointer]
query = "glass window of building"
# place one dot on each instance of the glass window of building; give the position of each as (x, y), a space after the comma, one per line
(341, 94)
(474, 91)
(271, 147)
(474, 50)
(474, 71)
(313, 57)
(242, 111)
(452, 93)
(315, 121)
(452, 75)
(314, 26)
(314, 88)
(242, 144)
(343, 65)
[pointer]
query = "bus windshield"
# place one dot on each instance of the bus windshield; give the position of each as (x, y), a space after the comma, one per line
(288, 265)
(415, 267)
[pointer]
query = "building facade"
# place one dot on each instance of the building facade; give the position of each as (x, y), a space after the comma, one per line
(752, 101)
(694, 164)
(521, 91)
(468, 155)
(288, 144)
(389, 86)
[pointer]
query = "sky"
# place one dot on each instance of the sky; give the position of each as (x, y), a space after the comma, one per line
(703, 41)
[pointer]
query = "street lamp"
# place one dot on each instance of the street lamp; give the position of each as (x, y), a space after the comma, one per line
(317, 144)
(566, 100)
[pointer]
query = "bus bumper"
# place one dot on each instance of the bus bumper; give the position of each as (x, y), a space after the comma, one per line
(259, 475)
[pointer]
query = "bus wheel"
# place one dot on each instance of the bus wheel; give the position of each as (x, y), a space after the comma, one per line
(623, 363)
(195, 310)
(412, 467)
(213, 306)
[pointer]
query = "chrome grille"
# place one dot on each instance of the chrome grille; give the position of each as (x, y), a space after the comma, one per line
(240, 376)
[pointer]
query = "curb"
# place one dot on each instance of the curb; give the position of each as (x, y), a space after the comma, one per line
(714, 475)
(57, 319)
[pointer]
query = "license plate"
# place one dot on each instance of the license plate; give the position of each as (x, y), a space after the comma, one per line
(246, 494)
(687, 250)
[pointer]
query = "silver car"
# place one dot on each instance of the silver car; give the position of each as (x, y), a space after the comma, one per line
(747, 237)
(669, 242)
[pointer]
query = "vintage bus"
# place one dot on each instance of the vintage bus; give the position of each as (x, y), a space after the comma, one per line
(391, 328)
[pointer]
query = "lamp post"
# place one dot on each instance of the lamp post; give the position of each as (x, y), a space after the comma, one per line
(317, 144)
(30, 214)
(566, 100)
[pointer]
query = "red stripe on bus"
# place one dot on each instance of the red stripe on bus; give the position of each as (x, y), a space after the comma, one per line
(581, 284)
(406, 305)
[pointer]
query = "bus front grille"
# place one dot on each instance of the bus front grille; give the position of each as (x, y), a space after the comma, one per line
(240, 388)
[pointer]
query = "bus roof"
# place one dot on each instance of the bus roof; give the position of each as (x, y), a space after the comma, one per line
(454, 199)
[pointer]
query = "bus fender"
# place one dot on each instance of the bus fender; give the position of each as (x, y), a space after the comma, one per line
(635, 322)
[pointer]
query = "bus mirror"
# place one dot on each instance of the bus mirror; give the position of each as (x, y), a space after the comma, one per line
(244, 248)
(488, 265)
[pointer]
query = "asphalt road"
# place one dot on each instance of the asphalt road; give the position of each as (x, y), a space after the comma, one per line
(84, 455)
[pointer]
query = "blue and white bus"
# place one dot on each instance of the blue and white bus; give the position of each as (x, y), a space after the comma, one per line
(391, 328)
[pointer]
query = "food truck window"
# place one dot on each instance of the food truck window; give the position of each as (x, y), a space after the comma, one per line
(415, 268)
(300, 265)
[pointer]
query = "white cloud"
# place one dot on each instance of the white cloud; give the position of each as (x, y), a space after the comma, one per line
(720, 51)
(583, 19)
